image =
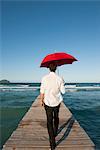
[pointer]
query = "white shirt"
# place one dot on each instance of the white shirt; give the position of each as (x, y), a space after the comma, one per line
(52, 86)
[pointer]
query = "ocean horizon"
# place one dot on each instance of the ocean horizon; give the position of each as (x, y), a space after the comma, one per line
(83, 100)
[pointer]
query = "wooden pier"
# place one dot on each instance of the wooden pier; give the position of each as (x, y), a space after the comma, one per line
(31, 133)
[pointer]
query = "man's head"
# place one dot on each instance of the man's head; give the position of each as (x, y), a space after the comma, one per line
(52, 66)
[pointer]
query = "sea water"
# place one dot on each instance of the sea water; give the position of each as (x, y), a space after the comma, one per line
(83, 100)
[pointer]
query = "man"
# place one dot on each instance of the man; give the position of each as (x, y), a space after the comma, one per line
(50, 92)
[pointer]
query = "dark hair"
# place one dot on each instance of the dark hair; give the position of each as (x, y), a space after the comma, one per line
(52, 66)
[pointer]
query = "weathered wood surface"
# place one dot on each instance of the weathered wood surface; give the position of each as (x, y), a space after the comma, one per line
(31, 132)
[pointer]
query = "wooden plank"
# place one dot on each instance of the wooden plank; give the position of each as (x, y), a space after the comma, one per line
(31, 132)
(42, 148)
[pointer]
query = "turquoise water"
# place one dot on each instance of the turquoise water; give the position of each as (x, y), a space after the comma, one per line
(83, 102)
(85, 105)
(14, 104)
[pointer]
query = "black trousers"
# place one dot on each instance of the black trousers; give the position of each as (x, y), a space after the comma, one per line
(52, 114)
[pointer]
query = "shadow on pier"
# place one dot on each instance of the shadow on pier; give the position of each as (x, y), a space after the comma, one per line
(68, 125)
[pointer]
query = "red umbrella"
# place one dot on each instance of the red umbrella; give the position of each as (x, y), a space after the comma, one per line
(58, 58)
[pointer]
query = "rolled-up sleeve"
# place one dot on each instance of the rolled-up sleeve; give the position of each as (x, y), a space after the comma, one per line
(62, 87)
(42, 87)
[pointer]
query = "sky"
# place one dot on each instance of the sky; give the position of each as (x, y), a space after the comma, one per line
(30, 30)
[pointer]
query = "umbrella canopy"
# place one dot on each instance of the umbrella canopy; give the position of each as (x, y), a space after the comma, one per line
(58, 58)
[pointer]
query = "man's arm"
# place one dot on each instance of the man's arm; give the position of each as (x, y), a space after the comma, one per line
(42, 91)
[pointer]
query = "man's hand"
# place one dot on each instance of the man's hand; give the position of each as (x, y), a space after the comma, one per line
(42, 103)
(63, 80)
(42, 99)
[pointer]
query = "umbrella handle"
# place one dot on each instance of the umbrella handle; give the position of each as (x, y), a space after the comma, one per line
(57, 71)
(61, 77)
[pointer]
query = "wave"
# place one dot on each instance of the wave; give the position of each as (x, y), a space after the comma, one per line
(81, 87)
(71, 88)
(18, 88)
